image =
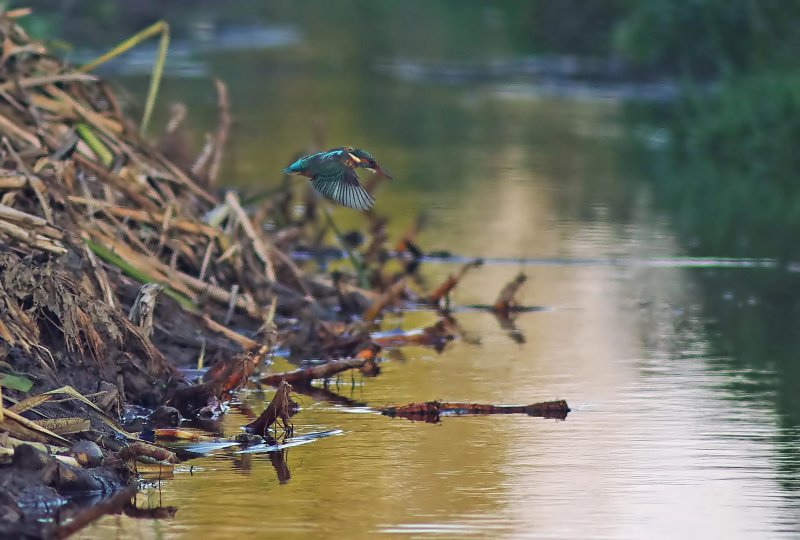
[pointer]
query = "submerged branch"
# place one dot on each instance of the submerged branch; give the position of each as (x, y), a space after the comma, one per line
(431, 411)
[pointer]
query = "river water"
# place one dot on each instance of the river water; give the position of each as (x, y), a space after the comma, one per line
(681, 372)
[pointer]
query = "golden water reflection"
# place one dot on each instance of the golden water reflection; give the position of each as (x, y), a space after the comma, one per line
(647, 451)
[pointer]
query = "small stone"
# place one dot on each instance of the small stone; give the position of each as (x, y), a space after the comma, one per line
(28, 457)
(87, 453)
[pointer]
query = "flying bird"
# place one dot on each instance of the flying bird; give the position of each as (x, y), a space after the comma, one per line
(333, 174)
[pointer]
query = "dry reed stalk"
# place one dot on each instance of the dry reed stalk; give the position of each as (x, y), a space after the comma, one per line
(259, 244)
(244, 342)
(12, 182)
(35, 240)
(221, 135)
(151, 218)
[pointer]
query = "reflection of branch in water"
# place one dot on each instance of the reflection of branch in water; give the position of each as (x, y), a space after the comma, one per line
(243, 463)
(211, 426)
(507, 324)
(158, 512)
(326, 394)
(279, 463)
(395, 355)
(112, 504)
(457, 329)
(436, 336)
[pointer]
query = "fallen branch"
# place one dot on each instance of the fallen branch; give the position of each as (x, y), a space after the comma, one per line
(431, 411)
(244, 342)
(143, 449)
(304, 376)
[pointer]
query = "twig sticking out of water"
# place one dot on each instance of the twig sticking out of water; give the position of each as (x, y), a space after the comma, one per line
(280, 408)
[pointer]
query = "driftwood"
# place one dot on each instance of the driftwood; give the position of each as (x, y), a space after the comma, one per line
(143, 449)
(364, 360)
(174, 434)
(431, 411)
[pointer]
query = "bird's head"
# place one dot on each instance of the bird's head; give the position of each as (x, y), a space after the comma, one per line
(365, 160)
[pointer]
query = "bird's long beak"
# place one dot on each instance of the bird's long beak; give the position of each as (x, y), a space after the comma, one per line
(383, 173)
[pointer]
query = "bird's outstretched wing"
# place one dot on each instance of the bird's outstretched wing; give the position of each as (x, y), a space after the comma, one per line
(344, 188)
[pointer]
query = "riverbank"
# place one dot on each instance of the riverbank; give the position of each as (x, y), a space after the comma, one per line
(120, 267)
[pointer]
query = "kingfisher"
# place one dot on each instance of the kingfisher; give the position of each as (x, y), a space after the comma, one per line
(333, 174)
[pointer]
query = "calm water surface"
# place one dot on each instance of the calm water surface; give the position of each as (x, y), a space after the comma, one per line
(682, 380)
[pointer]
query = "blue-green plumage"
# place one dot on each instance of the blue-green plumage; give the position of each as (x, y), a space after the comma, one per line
(333, 174)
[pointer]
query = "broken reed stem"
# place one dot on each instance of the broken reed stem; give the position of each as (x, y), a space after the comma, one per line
(21, 420)
(32, 82)
(223, 127)
(206, 260)
(33, 222)
(258, 243)
(232, 303)
(151, 218)
(16, 132)
(101, 276)
(35, 240)
(35, 183)
(304, 376)
(12, 182)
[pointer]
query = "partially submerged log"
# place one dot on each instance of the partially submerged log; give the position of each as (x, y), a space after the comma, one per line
(431, 411)
(143, 449)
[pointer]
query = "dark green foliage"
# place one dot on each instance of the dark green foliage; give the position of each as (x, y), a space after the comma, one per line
(729, 178)
(709, 38)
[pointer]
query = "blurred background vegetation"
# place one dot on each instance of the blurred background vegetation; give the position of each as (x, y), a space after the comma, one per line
(728, 174)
